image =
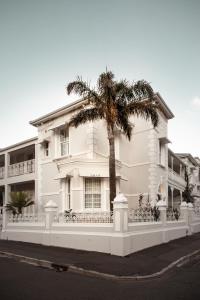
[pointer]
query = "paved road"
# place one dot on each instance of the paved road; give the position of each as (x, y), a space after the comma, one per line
(20, 281)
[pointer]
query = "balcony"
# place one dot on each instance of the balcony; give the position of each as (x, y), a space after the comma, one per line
(2, 172)
(21, 168)
(173, 176)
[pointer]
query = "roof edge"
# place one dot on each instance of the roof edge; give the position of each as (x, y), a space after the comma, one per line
(19, 144)
(164, 107)
(190, 157)
(75, 104)
(176, 156)
(58, 112)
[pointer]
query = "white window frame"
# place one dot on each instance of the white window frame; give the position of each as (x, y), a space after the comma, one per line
(92, 208)
(46, 149)
(161, 153)
(64, 143)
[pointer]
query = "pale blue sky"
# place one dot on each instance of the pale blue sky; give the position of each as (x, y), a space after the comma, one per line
(47, 43)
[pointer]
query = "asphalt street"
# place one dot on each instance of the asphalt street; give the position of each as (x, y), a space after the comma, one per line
(20, 281)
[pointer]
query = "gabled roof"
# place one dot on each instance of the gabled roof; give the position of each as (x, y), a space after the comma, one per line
(77, 104)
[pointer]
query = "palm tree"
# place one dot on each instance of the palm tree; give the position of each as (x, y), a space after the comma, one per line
(114, 101)
(18, 201)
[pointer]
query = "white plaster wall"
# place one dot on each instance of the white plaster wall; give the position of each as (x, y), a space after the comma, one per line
(138, 159)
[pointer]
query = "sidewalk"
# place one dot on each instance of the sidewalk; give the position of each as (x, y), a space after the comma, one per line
(144, 262)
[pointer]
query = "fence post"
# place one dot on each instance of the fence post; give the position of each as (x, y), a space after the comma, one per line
(190, 217)
(161, 204)
(50, 212)
(5, 218)
(120, 206)
(184, 211)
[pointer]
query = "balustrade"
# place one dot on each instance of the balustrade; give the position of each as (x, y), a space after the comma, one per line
(21, 168)
(86, 217)
(144, 214)
(176, 177)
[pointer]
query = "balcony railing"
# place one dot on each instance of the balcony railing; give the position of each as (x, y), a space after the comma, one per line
(173, 176)
(21, 168)
(2, 172)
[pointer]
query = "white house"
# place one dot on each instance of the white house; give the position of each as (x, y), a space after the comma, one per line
(70, 166)
(66, 167)
(73, 162)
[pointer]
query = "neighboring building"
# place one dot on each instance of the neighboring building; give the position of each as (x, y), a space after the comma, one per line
(176, 179)
(193, 171)
(18, 170)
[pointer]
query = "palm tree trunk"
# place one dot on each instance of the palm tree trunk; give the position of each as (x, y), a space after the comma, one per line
(112, 171)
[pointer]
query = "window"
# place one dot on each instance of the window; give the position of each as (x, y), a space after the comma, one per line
(46, 148)
(92, 193)
(64, 141)
(161, 151)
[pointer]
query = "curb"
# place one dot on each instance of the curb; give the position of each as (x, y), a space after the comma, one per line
(73, 269)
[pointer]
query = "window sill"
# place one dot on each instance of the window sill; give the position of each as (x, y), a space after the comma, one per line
(162, 166)
(62, 157)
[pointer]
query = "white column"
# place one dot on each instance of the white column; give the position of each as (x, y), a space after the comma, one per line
(190, 217)
(184, 211)
(56, 154)
(50, 212)
(163, 218)
(7, 162)
(172, 196)
(63, 194)
(7, 193)
(120, 206)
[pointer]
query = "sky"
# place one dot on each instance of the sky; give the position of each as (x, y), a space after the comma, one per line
(45, 44)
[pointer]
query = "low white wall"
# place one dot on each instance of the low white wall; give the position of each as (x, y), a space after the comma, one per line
(97, 237)
(195, 226)
(24, 232)
(118, 238)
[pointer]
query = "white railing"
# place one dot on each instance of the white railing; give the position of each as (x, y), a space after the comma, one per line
(30, 218)
(21, 168)
(143, 215)
(2, 172)
(173, 214)
(173, 176)
(95, 217)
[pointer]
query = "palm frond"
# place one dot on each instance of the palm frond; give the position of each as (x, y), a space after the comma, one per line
(105, 82)
(124, 91)
(28, 203)
(82, 89)
(145, 109)
(86, 115)
(142, 90)
(18, 201)
(123, 122)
